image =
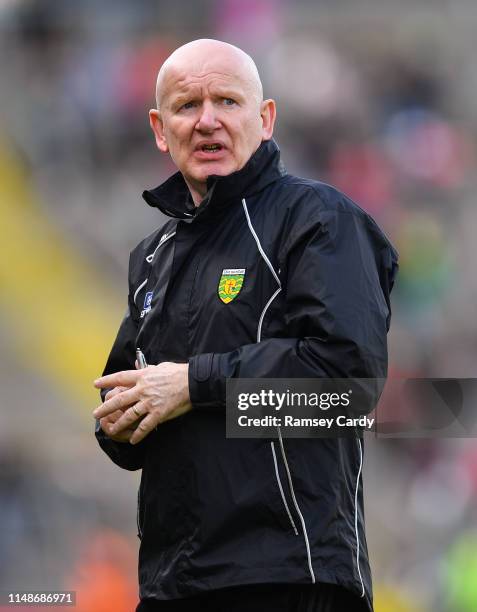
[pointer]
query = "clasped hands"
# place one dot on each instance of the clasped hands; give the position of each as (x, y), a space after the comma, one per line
(139, 400)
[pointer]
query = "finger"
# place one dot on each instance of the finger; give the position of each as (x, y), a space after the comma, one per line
(113, 417)
(118, 402)
(145, 427)
(125, 378)
(108, 421)
(129, 417)
(114, 392)
(105, 425)
(122, 436)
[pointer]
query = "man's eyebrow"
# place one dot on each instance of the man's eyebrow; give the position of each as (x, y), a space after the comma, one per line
(222, 91)
(180, 98)
(229, 92)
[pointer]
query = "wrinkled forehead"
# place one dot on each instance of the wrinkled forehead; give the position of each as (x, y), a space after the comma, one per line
(179, 77)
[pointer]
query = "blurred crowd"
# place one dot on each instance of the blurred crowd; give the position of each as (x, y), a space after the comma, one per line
(376, 101)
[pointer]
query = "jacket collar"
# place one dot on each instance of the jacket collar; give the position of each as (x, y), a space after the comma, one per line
(173, 197)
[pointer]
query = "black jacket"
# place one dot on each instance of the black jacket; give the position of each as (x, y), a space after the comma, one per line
(216, 512)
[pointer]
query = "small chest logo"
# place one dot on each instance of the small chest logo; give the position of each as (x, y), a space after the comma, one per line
(147, 304)
(230, 284)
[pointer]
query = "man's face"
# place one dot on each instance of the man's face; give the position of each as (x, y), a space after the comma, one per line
(210, 120)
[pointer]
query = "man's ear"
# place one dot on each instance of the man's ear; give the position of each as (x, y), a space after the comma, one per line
(157, 127)
(268, 112)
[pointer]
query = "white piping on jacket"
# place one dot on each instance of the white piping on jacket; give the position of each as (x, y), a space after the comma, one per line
(262, 252)
(138, 290)
(262, 316)
(277, 474)
(163, 240)
(302, 520)
(267, 261)
(356, 514)
(149, 258)
(259, 335)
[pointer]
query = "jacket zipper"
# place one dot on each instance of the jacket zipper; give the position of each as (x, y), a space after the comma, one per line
(277, 474)
(259, 337)
(282, 448)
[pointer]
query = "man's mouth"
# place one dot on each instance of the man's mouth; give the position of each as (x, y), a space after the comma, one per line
(208, 152)
(210, 147)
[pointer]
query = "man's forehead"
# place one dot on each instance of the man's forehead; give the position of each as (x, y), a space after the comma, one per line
(199, 82)
(181, 76)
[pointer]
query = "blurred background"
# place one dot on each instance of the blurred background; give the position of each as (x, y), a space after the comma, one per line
(375, 97)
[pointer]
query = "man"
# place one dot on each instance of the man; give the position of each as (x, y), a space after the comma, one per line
(242, 524)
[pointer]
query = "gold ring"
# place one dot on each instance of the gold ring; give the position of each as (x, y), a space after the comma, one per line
(136, 411)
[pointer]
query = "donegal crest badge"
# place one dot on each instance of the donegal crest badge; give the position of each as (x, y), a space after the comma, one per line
(230, 284)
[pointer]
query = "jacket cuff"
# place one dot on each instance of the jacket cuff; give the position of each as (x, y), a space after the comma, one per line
(123, 454)
(206, 390)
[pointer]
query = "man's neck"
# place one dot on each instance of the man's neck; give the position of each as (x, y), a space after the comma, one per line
(197, 191)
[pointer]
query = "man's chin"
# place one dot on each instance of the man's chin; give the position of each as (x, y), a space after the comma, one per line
(214, 169)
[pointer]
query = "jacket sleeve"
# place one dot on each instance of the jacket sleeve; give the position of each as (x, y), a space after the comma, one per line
(337, 274)
(122, 357)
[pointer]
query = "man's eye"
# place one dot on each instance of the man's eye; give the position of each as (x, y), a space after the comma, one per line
(188, 105)
(229, 101)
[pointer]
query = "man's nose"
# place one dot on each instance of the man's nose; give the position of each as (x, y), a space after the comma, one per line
(208, 120)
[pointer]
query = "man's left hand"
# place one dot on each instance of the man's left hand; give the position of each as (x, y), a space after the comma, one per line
(159, 392)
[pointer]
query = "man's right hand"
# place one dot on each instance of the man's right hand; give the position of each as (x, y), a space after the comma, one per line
(109, 420)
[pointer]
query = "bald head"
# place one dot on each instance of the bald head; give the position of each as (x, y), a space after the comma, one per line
(206, 54)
